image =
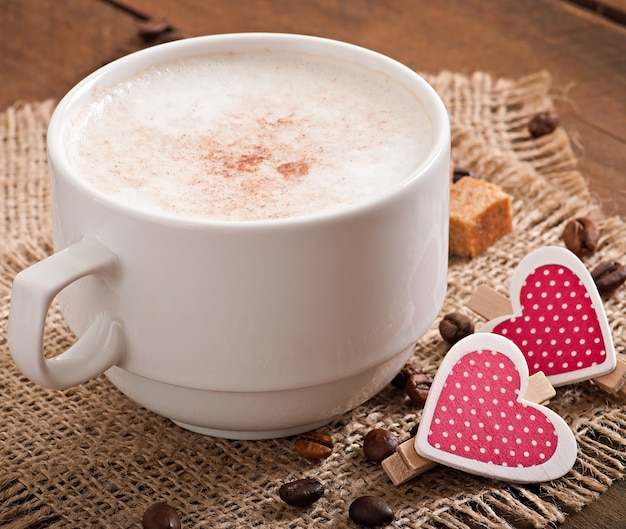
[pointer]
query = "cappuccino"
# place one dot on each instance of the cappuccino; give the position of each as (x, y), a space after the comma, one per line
(249, 136)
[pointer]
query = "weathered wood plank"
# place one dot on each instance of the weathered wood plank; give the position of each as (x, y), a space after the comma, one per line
(48, 46)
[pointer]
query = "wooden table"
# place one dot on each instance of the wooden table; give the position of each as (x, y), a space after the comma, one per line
(46, 46)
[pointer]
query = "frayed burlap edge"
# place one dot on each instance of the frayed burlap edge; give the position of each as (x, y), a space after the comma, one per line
(88, 457)
(24, 190)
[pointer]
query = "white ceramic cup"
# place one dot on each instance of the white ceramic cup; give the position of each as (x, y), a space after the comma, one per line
(238, 329)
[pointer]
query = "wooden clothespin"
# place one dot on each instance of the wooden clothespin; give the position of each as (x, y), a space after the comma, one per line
(556, 317)
(492, 305)
(475, 419)
(407, 464)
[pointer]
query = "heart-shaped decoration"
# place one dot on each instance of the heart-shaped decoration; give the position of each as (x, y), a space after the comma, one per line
(477, 420)
(558, 318)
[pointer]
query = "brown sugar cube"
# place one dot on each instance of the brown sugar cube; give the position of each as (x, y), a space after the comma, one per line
(480, 214)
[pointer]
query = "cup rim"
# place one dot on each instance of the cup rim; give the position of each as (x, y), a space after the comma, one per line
(196, 46)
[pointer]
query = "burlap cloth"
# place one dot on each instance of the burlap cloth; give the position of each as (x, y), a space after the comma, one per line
(89, 457)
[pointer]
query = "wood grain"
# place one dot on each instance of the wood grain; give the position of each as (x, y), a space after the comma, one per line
(45, 49)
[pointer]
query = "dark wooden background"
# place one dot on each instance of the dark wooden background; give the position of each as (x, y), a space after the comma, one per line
(46, 46)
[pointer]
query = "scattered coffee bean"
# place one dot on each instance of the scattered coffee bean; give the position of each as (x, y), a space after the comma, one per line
(455, 326)
(543, 123)
(161, 516)
(400, 379)
(301, 492)
(581, 236)
(460, 172)
(152, 28)
(170, 36)
(418, 387)
(379, 444)
(119, 53)
(609, 275)
(370, 511)
(314, 445)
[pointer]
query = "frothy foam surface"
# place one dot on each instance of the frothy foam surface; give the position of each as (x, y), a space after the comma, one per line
(249, 136)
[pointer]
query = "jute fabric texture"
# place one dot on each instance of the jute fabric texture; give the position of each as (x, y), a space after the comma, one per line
(90, 457)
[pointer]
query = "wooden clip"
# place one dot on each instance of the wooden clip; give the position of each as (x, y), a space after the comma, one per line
(615, 381)
(539, 389)
(397, 469)
(488, 303)
(407, 464)
(491, 304)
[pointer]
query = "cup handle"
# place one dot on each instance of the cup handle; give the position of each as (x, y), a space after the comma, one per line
(101, 346)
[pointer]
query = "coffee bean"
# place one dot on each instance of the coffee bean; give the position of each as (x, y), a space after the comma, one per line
(418, 387)
(379, 444)
(581, 236)
(314, 445)
(301, 492)
(170, 36)
(161, 516)
(119, 53)
(460, 172)
(370, 511)
(409, 369)
(152, 28)
(455, 326)
(543, 123)
(609, 275)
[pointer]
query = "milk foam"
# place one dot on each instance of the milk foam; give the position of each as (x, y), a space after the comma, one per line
(249, 136)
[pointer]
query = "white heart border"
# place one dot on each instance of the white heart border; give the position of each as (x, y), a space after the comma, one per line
(561, 256)
(557, 466)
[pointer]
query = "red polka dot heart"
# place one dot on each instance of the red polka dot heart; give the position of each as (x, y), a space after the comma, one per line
(559, 321)
(476, 419)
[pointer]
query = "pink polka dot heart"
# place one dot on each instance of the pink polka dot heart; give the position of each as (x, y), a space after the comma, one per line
(559, 322)
(477, 420)
(479, 416)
